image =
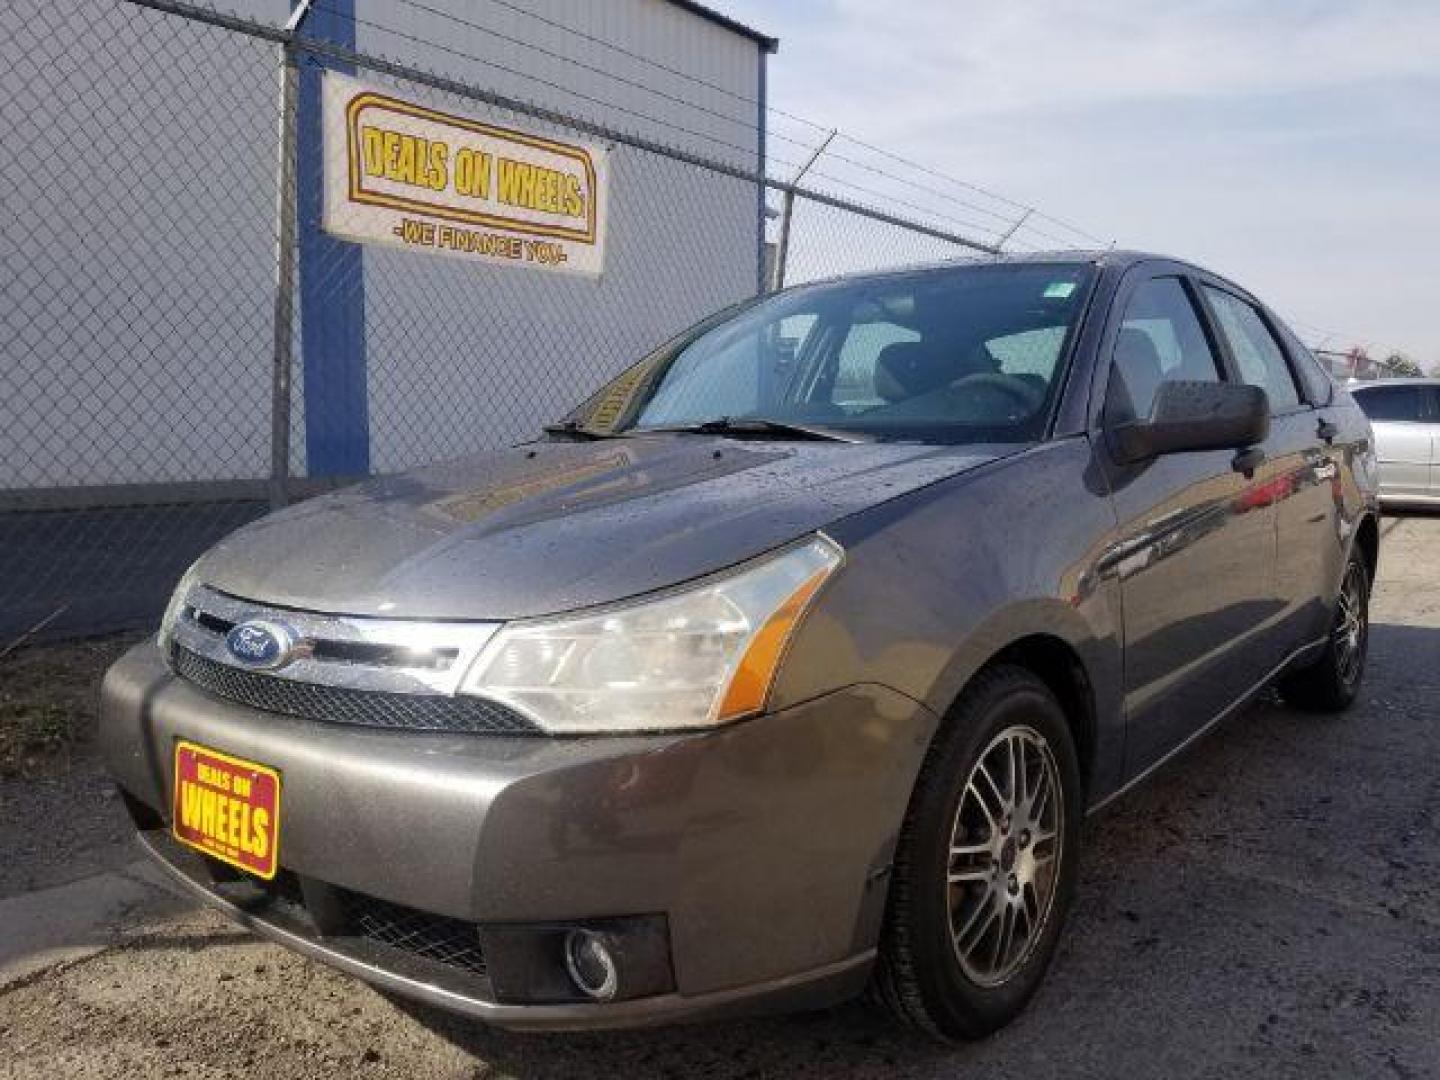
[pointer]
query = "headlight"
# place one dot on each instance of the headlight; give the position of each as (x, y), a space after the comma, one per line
(177, 602)
(694, 658)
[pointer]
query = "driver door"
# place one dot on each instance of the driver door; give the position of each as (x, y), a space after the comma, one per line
(1195, 553)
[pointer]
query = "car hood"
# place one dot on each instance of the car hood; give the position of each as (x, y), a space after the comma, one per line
(561, 525)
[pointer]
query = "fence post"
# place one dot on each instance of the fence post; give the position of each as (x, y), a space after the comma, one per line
(787, 209)
(782, 245)
(1000, 244)
(761, 278)
(280, 361)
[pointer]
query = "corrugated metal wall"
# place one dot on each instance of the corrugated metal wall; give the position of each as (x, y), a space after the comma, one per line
(680, 242)
(137, 247)
(638, 97)
(138, 307)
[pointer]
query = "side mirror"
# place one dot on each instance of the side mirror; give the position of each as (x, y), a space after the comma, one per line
(1195, 416)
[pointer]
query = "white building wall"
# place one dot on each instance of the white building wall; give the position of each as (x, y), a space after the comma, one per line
(463, 356)
(136, 247)
(602, 84)
(136, 276)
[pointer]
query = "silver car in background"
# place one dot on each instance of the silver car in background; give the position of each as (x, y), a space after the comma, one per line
(1405, 415)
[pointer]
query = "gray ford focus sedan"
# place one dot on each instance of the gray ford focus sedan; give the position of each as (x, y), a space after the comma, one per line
(787, 665)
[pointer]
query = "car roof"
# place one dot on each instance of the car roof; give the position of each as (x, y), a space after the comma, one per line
(1109, 257)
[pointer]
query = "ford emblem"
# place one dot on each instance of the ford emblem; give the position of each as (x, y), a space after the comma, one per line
(261, 644)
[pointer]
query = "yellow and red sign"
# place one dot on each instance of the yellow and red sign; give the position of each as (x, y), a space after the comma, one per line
(397, 172)
(228, 808)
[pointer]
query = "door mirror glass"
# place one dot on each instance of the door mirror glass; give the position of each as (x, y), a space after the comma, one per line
(1195, 416)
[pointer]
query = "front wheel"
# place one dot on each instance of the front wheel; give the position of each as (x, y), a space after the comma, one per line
(1333, 681)
(985, 868)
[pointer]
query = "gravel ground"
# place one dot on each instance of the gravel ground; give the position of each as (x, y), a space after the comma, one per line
(48, 772)
(1267, 906)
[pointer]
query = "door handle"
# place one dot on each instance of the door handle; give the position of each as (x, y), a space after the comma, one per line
(1327, 430)
(1247, 461)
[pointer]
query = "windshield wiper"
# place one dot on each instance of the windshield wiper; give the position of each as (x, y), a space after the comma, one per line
(759, 425)
(576, 429)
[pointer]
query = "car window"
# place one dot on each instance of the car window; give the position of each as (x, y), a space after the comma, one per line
(854, 388)
(1161, 340)
(1399, 403)
(741, 371)
(965, 353)
(1030, 352)
(1314, 376)
(1261, 360)
(726, 384)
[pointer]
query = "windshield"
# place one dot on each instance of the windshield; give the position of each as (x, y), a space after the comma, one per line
(969, 353)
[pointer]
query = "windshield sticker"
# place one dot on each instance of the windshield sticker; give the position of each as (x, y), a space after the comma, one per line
(1060, 290)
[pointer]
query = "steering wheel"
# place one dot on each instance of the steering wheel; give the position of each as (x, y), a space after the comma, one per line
(1028, 397)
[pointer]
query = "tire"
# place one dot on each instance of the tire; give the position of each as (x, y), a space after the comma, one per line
(1332, 682)
(923, 976)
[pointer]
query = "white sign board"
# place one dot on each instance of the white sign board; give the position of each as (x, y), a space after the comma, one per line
(401, 173)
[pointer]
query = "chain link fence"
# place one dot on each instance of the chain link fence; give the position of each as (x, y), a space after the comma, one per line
(164, 263)
(1356, 363)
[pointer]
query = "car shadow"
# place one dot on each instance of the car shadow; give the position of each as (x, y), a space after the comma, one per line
(1391, 516)
(851, 1038)
(1194, 932)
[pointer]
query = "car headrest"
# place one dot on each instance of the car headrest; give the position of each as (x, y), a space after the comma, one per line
(1137, 362)
(908, 369)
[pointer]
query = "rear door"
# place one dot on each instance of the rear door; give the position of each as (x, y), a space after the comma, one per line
(1195, 547)
(1299, 476)
(1404, 424)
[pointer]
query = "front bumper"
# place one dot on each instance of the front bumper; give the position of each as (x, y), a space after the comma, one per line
(764, 845)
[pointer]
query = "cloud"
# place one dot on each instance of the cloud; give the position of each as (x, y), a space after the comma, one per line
(1291, 145)
(970, 57)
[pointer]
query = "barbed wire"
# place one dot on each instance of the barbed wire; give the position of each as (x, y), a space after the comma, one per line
(885, 197)
(754, 101)
(532, 78)
(929, 171)
(1010, 219)
(745, 122)
(1322, 335)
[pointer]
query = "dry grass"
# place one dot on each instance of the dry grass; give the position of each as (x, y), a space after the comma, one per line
(48, 701)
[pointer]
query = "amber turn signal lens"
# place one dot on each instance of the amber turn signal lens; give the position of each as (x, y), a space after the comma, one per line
(750, 684)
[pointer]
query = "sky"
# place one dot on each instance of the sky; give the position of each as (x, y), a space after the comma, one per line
(1291, 145)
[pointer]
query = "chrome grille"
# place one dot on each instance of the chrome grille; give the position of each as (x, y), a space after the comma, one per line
(348, 652)
(340, 705)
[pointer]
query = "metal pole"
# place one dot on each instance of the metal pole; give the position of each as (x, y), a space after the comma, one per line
(1000, 244)
(298, 16)
(782, 246)
(762, 120)
(284, 282)
(787, 209)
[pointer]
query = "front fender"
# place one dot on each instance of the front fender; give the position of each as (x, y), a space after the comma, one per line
(938, 582)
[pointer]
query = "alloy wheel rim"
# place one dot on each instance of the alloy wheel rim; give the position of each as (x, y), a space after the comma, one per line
(1351, 626)
(1004, 855)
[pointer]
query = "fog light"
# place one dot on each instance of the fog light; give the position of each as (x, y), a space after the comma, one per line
(591, 966)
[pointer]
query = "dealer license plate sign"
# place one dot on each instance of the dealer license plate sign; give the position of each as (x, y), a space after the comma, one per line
(227, 808)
